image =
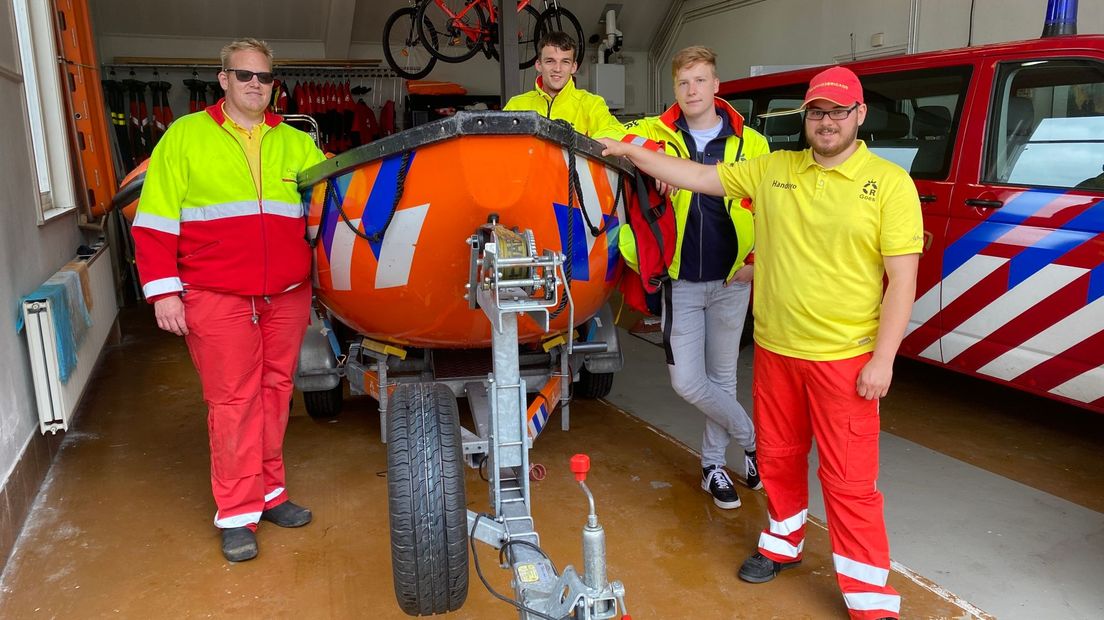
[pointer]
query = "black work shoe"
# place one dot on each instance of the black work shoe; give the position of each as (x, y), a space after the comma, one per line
(287, 514)
(751, 470)
(239, 544)
(761, 569)
(716, 482)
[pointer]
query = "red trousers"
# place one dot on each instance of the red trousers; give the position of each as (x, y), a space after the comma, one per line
(245, 349)
(796, 400)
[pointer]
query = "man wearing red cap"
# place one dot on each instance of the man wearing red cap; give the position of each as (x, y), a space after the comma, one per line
(830, 222)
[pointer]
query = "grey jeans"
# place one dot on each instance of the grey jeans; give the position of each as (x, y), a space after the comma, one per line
(707, 321)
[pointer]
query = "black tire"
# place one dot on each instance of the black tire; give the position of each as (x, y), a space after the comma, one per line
(323, 404)
(593, 384)
(425, 493)
(406, 54)
(562, 20)
(451, 43)
(528, 25)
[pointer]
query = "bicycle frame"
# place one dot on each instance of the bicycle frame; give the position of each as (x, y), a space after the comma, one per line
(456, 20)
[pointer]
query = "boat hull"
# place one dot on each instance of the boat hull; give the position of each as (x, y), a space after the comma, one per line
(401, 276)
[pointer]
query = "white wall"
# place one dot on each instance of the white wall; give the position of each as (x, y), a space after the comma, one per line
(29, 253)
(946, 23)
(746, 33)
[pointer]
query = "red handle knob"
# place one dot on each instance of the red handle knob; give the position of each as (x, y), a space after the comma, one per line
(580, 465)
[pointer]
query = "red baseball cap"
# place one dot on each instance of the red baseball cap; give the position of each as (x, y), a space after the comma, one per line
(837, 84)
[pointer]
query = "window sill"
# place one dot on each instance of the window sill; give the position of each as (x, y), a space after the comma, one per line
(50, 215)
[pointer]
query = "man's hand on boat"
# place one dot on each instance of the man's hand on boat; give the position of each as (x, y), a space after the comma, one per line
(675, 171)
(170, 315)
(613, 149)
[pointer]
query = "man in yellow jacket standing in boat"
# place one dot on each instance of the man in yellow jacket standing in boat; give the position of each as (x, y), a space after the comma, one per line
(221, 251)
(710, 287)
(556, 96)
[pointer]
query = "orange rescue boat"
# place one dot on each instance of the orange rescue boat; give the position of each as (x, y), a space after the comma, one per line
(391, 222)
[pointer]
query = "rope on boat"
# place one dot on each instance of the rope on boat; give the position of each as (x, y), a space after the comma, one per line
(572, 184)
(575, 193)
(400, 186)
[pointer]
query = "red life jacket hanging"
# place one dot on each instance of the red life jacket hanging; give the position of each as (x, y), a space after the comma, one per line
(652, 220)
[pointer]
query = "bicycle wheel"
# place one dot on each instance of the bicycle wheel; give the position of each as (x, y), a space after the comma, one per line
(560, 19)
(528, 21)
(460, 32)
(403, 47)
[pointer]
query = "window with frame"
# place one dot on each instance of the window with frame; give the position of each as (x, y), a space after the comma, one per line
(46, 116)
(1048, 125)
(913, 116)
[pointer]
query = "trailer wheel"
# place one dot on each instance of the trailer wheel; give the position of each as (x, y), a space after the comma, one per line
(323, 404)
(425, 493)
(593, 384)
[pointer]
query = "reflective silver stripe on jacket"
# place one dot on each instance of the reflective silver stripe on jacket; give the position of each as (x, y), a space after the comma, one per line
(225, 210)
(157, 222)
(162, 286)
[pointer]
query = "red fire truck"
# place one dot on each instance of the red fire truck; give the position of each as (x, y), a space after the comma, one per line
(1006, 146)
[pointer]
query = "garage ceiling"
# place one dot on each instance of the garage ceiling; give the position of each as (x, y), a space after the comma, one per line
(326, 21)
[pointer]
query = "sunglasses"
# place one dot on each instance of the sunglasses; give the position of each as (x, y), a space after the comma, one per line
(243, 76)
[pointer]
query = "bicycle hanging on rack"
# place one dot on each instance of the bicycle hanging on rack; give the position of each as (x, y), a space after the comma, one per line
(403, 46)
(552, 19)
(555, 18)
(466, 27)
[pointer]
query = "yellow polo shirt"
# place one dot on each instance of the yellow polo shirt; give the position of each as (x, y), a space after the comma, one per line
(820, 235)
(250, 141)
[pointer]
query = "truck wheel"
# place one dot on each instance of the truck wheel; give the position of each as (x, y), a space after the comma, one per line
(425, 493)
(593, 384)
(323, 404)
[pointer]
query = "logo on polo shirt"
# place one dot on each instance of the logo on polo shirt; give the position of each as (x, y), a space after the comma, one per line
(869, 190)
(781, 185)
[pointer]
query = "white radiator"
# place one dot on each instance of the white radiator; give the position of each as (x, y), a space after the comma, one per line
(57, 400)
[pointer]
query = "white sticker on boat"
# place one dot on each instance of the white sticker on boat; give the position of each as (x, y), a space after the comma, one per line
(341, 256)
(312, 232)
(590, 197)
(614, 178)
(397, 250)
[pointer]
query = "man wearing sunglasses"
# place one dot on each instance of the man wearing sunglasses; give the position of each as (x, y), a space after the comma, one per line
(830, 222)
(221, 251)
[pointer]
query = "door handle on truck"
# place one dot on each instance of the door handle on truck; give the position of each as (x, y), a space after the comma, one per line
(928, 198)
(982, 203)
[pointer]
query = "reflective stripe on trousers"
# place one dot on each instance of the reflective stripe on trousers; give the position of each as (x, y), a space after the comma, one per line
(795, 401)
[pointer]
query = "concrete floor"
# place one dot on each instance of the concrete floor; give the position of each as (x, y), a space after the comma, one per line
(1004, 516)
(994, 496)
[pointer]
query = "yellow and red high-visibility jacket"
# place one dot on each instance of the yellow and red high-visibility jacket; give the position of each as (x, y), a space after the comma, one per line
(740, 143)
(203, 223)
(586, 111)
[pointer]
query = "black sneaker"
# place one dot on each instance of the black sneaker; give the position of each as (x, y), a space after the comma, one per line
(751, 469)
(239, 544)
(716, 482)
(287, 514)
(761, 569)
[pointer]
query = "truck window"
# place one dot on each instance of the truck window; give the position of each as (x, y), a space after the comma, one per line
(1049, 125)
(782, 132)
(743, 106)
(912, 117)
